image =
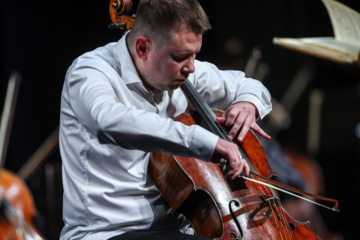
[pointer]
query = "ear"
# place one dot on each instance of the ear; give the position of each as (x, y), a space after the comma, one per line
(142, 47)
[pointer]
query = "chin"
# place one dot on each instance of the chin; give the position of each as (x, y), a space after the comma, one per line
(175, 87)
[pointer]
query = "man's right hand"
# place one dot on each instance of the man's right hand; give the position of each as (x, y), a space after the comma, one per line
(230, 152)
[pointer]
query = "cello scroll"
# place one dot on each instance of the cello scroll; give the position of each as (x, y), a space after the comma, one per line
(118, 9)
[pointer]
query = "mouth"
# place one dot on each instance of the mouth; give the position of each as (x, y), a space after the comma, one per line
(181, 81)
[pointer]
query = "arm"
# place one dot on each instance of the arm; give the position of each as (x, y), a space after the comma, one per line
(101, 107)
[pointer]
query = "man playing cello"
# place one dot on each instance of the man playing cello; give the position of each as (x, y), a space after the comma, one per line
(117, 106)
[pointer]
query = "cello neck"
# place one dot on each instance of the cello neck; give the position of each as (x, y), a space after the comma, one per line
(201, 107)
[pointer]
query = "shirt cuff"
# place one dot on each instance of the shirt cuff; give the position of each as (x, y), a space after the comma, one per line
(203, 143)
(263, 108)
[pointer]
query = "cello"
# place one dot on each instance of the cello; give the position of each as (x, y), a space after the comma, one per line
(216, 207)
(16, 204)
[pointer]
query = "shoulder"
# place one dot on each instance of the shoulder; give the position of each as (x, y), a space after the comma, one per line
(100, 56)
(206, 71)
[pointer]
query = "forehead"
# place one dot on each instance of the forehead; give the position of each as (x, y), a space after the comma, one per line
(184, 40)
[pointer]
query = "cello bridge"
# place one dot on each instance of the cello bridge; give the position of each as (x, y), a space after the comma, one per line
(267, 202)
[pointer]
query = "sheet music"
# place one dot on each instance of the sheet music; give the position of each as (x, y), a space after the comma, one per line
(345, 22)
(334, 44)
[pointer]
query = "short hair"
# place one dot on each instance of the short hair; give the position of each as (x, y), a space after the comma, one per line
(160, 17)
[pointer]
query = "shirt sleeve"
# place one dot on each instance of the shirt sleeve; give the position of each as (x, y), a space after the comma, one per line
(221, 88)
(94, 104)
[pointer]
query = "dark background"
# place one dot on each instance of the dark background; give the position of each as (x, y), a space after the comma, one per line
(40, 39)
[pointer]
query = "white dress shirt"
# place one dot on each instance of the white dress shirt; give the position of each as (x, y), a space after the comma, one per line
(109, 125)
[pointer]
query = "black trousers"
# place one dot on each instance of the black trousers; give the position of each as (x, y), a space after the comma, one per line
(140, 235)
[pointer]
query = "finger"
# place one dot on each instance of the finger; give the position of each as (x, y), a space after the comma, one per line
(246, 169)
(229, 174)
(237, 173)
(221, 120)
(240, 121)
(261, 132)
(244, 130)
(232, 168)
(235, 128)
(234, 173)
(237, 168)
(230, 118)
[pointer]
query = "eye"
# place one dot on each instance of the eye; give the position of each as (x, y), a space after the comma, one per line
(178, 58)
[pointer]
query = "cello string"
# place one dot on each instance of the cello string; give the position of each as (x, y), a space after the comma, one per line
(273, 213)
(284, 217)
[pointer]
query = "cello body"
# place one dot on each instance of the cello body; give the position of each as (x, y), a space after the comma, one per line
(224, 209)
(17, 209)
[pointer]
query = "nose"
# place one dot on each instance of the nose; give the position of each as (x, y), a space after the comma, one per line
(189, 66)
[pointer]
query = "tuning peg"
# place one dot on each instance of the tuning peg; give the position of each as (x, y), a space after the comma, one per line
(117, 25)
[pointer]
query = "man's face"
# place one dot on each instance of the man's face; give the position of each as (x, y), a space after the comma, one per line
(169, 65)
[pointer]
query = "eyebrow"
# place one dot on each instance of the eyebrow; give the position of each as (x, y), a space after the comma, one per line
(187, 53)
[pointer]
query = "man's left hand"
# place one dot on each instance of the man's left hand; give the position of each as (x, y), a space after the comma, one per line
(241, 115)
